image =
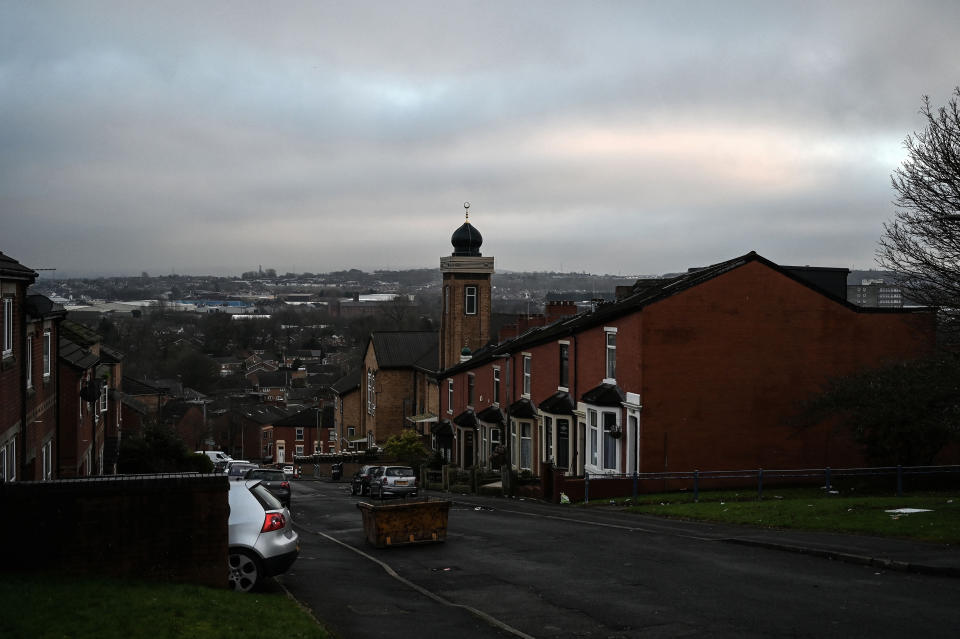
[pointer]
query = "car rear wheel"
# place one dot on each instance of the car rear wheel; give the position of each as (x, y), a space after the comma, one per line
(244, 570)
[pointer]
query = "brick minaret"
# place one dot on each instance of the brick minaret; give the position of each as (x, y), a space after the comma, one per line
(466, 273)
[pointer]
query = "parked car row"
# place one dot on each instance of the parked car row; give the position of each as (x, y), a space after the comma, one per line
(384, 481)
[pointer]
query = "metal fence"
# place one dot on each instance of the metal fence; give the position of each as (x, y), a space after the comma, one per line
(760, 475)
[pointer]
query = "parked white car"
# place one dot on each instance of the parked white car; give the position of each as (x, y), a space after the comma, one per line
(262, 540)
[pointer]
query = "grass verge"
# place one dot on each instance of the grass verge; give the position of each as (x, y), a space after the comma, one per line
(43, 606)
(815, 509)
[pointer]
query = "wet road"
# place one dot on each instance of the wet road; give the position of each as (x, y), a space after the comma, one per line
(533, 570)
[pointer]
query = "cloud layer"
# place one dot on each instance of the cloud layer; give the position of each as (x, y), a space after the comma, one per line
(608, 137)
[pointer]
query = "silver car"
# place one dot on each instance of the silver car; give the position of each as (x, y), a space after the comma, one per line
(393, 481)
(262, 540)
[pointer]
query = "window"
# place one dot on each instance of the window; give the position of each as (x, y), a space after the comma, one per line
(300, 434)
(611, 439)
(47, 457)
(371, 392)
(548, 438)
(8, 460)
(563, 443)
(526, 446)
(496, 386)
(103, 398)
(7, 326)
(298, 449)
(594, 436)
(450, 396)
(564, 365)
(604, 440)
(351, 432)
(526, 375)
(470, 389)
(470, 300)
(29, 362)
(46, 354)
(611, 335)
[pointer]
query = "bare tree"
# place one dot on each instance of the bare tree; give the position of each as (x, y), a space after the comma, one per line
(922, 243)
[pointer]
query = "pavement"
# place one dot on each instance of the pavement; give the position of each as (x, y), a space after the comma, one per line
(881, 552)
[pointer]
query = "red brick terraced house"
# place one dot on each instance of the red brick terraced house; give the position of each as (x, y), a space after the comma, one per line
(29, 333)
(699, 371)
(398, 382)
(40, 449)
(346, 412)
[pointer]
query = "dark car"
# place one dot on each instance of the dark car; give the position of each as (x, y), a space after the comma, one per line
(273, 480)
(361, 480)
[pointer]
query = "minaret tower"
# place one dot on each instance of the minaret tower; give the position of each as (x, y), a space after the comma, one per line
(466, 273)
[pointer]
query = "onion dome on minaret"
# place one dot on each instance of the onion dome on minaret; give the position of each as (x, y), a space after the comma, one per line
(466, 240)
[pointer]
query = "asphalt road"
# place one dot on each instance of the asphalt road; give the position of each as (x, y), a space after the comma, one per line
(521, 569)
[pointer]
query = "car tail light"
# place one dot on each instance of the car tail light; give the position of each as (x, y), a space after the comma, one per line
(383, 482)
(284, 484)
(273, 521)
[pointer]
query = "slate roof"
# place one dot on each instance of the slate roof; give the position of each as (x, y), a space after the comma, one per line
(491, 414)
(646, 292)
(135, 387)
(604, 395)
(466, 419)
(560, 403)
(76, 355)
(11, 269)
(41, 306)
(307, 417)
(407, 349)
(78, 333)
(347, 383)
(522, 409)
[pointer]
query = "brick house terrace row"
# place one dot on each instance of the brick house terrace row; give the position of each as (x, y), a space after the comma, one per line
(699, 371)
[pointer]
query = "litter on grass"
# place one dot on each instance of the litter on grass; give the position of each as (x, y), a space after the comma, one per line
(908, 511)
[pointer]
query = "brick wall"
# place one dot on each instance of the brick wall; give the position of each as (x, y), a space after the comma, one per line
(155, 527)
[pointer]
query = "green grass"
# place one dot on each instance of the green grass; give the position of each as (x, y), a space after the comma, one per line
(47, 606)
(814, 509)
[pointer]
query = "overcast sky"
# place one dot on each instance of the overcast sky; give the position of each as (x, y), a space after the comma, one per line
(607, 137)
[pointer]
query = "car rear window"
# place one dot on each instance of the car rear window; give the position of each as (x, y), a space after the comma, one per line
(240, 470)
(269, 475)
(399, 472)
(266, 499)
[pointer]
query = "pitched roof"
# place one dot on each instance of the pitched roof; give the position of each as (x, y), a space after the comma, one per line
(77, 356)
(135, 387)
(347, 383)
(78, 333)
(407, 349)
(11, 269)
(41, 306)
(645, 293)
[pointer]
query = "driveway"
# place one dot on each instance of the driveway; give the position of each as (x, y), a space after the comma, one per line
(525, 569)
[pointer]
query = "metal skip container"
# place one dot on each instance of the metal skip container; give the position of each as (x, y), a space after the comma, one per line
(409, 522)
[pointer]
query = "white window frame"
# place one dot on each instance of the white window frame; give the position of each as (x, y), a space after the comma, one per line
(371, 392)
(526, 445)
(298, 450)
(351, 432)
(527, 375)
(602, 446)
(470, 300)
(563, 365)
(29, 361)
(610, 355)
(46, 454)
(47, 353)
(103, 401)
(496, 386)
(450, 395)
(7, 326)
(299, 435)
(8, 460)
